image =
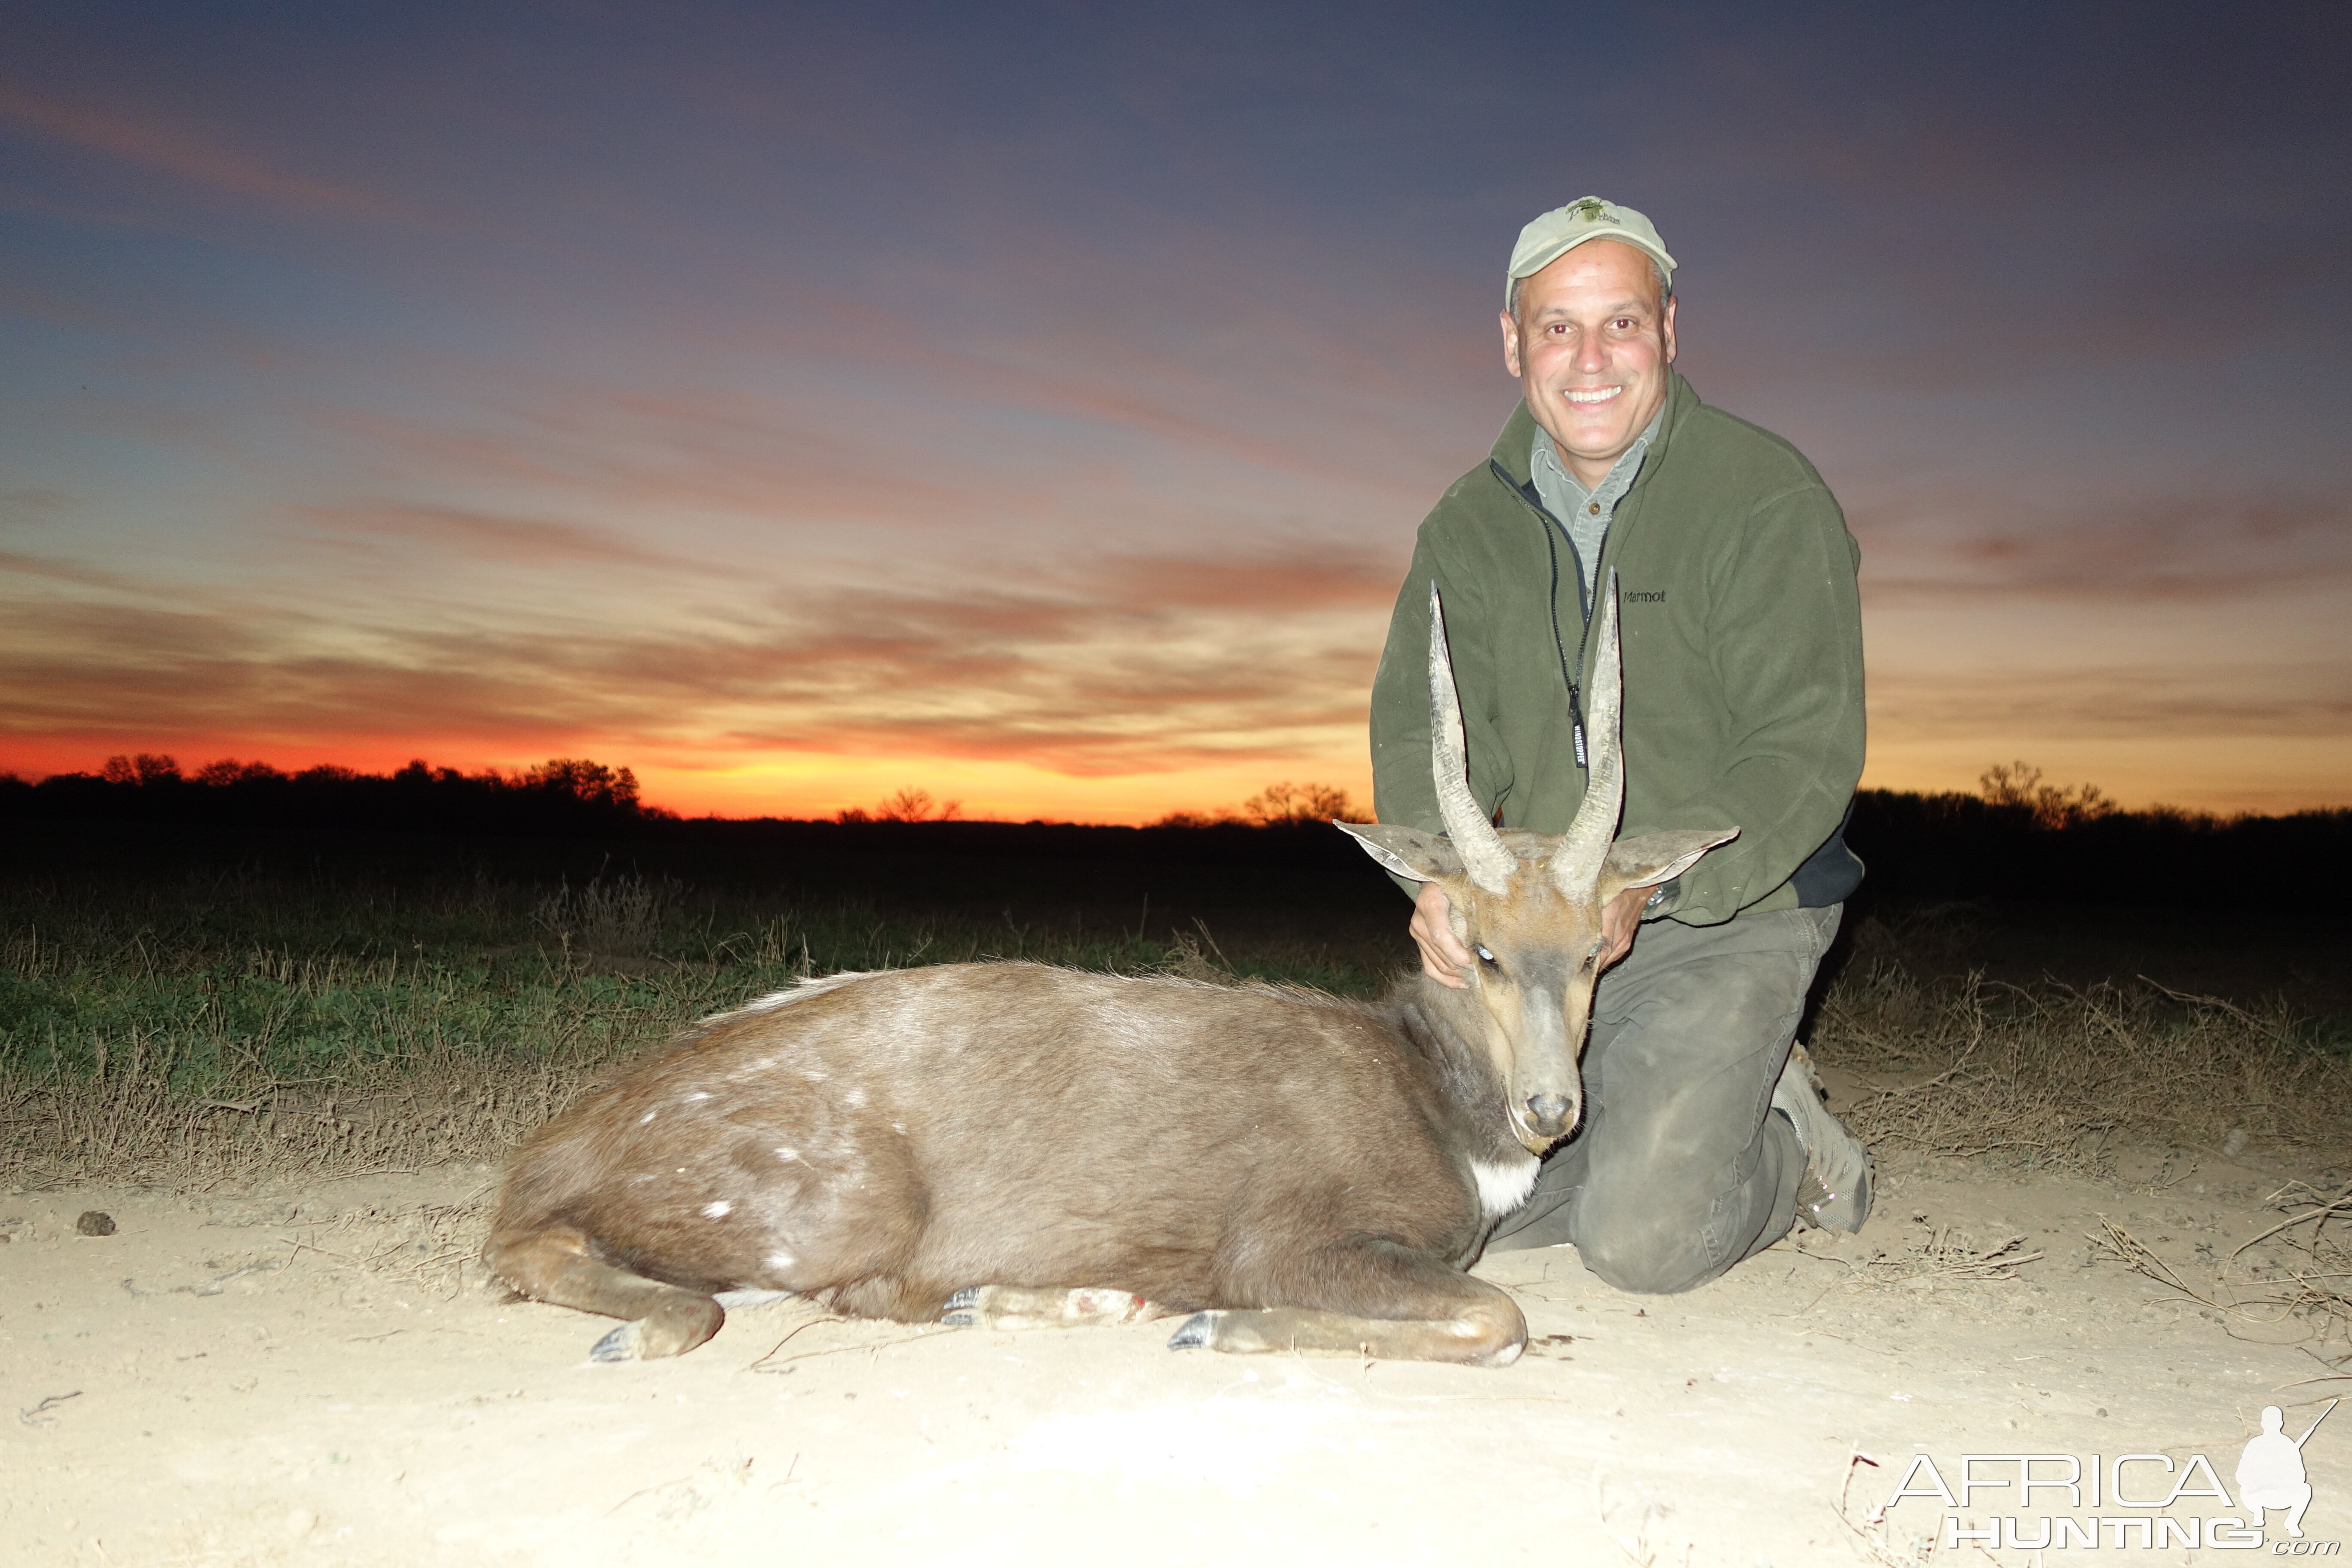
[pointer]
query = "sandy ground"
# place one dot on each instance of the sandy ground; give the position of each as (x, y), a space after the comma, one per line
(315, 1378)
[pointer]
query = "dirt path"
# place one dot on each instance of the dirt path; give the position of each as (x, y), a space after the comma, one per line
(303, 1379)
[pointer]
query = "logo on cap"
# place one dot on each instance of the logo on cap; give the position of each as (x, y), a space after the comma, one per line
(1592, 209)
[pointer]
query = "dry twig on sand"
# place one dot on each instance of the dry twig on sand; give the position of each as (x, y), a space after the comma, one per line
(1948, 1257)
(1937, 1256)
(436, 1248)
(2303, 1282)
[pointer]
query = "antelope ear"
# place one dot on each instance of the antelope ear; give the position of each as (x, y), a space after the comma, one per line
(1656, 858)
(1407, 851)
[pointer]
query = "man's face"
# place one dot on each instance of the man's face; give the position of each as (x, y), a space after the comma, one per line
(1592, 343)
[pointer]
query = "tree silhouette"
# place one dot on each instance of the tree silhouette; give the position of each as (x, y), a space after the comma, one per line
(1286, 802)
(591, 783)
(909, 804)
(2018, 786)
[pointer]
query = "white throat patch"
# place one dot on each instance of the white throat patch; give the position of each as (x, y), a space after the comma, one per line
(1503, 1184)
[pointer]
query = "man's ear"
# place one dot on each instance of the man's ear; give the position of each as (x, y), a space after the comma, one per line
(1510, 344)
(1407, 851)
(1656, 858)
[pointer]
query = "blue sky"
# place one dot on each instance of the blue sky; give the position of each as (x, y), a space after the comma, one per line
(1035, 403)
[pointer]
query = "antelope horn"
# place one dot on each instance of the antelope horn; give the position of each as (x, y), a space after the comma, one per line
(1576, 865)
(1483, 856)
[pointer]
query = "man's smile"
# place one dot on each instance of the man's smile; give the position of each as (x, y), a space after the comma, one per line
(1593, 393)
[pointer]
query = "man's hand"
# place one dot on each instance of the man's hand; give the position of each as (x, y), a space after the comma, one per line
(1443, 957)
(1620, 919)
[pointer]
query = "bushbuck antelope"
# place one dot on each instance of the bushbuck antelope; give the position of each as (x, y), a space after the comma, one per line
(1009, 1145)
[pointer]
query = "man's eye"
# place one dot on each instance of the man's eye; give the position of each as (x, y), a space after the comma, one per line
(1483, 956)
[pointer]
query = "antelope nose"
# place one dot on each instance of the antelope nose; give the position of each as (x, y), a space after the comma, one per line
(1550, 1112)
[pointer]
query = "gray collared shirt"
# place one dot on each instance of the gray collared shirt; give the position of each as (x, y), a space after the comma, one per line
(1586, 513)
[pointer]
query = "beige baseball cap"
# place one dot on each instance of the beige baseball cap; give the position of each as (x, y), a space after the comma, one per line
(1562, 229)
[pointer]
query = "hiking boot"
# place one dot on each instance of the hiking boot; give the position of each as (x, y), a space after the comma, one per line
(1835, 1192)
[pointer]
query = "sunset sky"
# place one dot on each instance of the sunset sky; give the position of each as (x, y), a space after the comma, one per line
(1035, 403)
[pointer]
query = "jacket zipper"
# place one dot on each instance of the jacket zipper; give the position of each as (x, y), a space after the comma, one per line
(1551, 532)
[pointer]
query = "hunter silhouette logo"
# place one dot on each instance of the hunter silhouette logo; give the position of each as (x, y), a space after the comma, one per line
(2135, 1500)
(2270, 1474)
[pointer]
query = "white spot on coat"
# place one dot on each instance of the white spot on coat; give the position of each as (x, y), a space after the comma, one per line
(697, 1094)
(813, 1076)
(1503, 1184)
(719, 1210)
(648, 1116)
(780, 1261)
(784, 1152)
(854, 1099)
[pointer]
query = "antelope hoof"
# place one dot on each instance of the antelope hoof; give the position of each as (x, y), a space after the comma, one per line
(671, 1329)
(621, 1344)
(1198, 1331)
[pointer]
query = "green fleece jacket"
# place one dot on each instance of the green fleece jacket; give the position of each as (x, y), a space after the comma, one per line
(1742, 635)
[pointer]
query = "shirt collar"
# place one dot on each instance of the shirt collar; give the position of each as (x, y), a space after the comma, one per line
(1547, 471)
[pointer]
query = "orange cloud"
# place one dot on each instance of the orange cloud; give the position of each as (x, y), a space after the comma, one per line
(1121, 668)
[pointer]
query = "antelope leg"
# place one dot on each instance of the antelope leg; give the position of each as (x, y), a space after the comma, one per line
(1030, 1307)
(1369, 1298)
(555, 1265)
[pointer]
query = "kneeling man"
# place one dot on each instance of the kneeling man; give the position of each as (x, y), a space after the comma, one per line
(1704, 1137)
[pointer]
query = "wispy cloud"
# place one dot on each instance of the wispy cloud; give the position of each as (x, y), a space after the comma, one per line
(708, 451)
(58, 569)
(2111, 549)
(181, 151)
(2227, 698)
(491, 536)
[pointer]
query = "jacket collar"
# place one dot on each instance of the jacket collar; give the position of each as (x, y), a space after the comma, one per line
(1511, 448)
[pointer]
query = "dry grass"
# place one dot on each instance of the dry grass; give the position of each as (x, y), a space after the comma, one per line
(2291, 1284)
(225, 1035)
(620, 917)
(133, 1128)
(1943, 1257)
(2054, 1077)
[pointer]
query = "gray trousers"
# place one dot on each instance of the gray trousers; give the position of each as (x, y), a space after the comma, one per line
(1676, 1171)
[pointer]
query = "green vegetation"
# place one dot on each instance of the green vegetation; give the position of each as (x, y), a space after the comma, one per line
(228, 1027)
(211, 1028)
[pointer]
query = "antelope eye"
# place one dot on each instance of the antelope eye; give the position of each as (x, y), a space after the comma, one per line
(1483, 956)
